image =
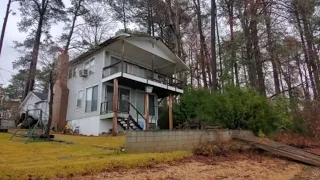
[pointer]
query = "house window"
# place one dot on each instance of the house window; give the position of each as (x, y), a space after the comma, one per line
(92, 99)
(73, 72)
(79, 99)
(90, 66)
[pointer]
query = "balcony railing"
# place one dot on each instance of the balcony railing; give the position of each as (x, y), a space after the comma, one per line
(141, 72)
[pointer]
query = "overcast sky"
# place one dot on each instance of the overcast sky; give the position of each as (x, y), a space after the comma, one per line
(9, 54)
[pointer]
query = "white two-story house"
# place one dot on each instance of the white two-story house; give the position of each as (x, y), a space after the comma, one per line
(141, 68)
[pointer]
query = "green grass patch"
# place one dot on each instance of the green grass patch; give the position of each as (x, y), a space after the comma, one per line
(39, 159)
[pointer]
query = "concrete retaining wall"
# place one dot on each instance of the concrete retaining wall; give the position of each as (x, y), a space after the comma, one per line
(164, 141)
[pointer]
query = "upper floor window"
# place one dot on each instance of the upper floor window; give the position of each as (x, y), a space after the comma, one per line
(73, 72)
(90, 66)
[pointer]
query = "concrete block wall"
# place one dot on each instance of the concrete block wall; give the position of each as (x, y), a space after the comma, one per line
(8, 123)
(165, 141)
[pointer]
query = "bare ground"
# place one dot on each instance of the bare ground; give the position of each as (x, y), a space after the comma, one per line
(239, 166)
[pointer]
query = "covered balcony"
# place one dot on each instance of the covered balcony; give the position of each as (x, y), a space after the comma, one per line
(139, 62)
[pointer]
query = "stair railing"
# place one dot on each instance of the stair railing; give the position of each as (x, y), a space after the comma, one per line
(104, 109)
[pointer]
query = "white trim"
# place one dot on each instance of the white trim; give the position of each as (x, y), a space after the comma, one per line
(88, 60)
(85, 104)
(25, 99)
(106, 116)
(81, 99)
(179, 90)
(150, 82)
(171, 88)
(154, 83)
(113, 76)
(104, 58)
(136, 78)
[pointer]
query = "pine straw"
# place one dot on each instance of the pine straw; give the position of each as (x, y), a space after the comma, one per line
(296, 140)
(221, 149)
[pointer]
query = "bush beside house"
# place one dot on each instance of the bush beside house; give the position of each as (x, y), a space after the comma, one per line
(234, 108)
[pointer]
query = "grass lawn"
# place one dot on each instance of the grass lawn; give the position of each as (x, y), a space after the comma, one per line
(39, 159)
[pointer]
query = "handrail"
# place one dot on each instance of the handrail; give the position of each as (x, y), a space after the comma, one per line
(171, 79)
(107, 102)
(107, 67)
(137, 112)
(151, 71)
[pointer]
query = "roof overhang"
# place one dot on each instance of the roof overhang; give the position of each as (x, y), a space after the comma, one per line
(135, 40)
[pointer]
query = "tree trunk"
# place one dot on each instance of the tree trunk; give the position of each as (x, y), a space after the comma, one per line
(306, 56)
(270, 44)
(34, 54)
(4, 25)
(249, 51)
(72, 26)
(256, 50)
(213, 45)
(47, 133)
(220, 57)
(305, 90)
(202, 42)
(234, 72)
(311, 53)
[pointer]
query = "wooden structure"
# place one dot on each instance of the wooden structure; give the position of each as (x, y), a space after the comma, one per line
(282, 150)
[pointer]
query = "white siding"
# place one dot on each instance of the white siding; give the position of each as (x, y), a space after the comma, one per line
(29, 102)
(105, 126)
(77, 83)
(44, 106)
(87, 126)
(33, 102)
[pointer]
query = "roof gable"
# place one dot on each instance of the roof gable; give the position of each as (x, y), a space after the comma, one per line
(147, 45)
(41, 96)
(143, 41)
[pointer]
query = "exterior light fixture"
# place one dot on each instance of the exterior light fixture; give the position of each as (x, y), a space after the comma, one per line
(148, 89)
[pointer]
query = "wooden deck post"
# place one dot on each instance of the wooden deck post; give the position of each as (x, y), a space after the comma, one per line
(146, 110)
(170, 112)
(115, 107)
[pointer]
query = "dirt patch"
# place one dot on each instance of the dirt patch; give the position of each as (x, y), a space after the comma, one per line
(238, 166)
(308, 173)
